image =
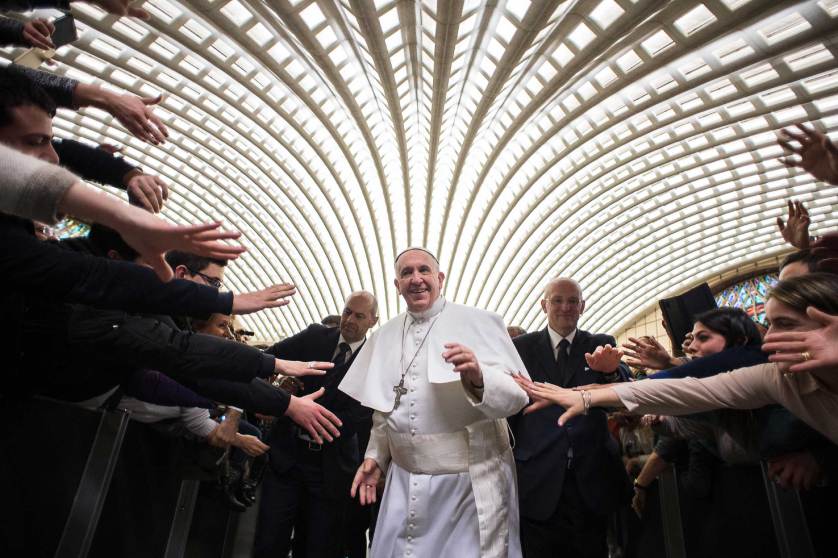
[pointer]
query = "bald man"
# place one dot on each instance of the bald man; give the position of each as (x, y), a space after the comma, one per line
(571, 477)
(306, 487)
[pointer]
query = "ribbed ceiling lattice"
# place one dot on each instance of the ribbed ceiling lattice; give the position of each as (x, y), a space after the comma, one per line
(629, 144)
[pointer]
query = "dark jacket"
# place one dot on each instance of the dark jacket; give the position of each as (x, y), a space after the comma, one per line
(91, 163)
(543, 448)
(341, 457)
(37, 279)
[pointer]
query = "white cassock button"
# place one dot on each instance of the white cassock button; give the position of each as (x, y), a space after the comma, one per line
(413, 498)
(412, 403)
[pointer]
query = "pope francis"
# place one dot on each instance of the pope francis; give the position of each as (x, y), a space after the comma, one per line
(439, 380)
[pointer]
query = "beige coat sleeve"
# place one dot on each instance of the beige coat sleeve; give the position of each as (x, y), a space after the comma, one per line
(745, 388)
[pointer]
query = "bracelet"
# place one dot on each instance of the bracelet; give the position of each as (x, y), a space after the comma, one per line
(638, 486)
(586, 401)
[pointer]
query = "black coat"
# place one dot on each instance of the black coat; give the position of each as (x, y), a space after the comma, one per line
(341, 457)
(542, 446)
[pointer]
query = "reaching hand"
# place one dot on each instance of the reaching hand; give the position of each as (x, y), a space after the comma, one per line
(317, 420)
(149, 191)
(296, 368)
(647, 353)
(251, 445)
(819, 345)
(121, 8)
(136, 114)
(38, 33)
(223, 435)
(795, 230)
(818, 155)
(604, 359)
(151, 237)
(272, 297)
(366, 480)
(796, 471)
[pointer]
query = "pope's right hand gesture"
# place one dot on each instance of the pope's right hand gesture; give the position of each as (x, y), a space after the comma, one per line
(365, 483)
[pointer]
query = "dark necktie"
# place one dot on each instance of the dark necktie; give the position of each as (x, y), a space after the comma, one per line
(561, 362)
(340, 358)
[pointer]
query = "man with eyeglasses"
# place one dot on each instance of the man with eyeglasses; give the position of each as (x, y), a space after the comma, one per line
(570, 478)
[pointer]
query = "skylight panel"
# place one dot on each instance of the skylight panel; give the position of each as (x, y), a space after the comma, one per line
(195, 31)
(784, 28)
(562, 55)
(807, 57)
(733, 51)
(694, 20)
(760, 74)
(236, 12)
(629, 61)
(830, 7)
(506, 29)
(222, 49)
(389, 20)
(312, 16)
(657, 43)
(605, 77)
(581, 36)
(164, 48)
(606, 13)
(260, 34)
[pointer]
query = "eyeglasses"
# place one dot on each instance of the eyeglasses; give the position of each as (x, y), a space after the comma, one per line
(211, 281)
(562, 302)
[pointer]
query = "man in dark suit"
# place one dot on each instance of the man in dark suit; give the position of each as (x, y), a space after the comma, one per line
(307, 483)
(570, 478)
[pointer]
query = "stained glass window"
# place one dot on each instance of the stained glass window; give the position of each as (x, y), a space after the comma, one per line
(749, 295)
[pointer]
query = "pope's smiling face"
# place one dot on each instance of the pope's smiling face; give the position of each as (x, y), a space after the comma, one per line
(418, 280)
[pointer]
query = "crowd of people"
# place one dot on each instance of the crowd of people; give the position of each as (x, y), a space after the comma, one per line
(443, 432)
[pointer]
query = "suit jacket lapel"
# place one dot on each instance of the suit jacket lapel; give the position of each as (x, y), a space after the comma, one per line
(548, 358)
(577, 363)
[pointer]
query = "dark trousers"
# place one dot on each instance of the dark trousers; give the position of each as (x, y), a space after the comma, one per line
(298, 497)
(573, 531)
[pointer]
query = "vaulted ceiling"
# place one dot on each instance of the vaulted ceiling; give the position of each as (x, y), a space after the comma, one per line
(629, 144)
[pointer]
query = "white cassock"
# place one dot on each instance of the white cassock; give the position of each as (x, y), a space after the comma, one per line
(451, 489)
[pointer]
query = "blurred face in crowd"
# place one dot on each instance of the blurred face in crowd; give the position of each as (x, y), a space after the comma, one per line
(706, 341)
(30, 132)
(563, 304)
(358, 316)
(418, 279)
(783, 318)
(217, 325)
(212, 275)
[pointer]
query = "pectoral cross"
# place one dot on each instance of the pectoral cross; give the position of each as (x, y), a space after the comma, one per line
(399, 390)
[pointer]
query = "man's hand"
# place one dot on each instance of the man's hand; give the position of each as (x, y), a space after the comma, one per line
(119, 7)
(317, 420)
(365, 483)
(605, 359)
(272, 297)
(151, 237)
(38, 33)
(150, 191)
(251, 445)
(818, 155)
(465, 363)
(796, 471)
(821, 345)
(795, 230)
(297, 368)
(224, 435)
(647, 353)
(135, 113)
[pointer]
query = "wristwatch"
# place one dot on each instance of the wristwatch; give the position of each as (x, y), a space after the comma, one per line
(638, 486)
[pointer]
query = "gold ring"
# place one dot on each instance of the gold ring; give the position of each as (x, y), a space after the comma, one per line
(806, 356)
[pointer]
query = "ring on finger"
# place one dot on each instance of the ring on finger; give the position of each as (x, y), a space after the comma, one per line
(806, 355)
